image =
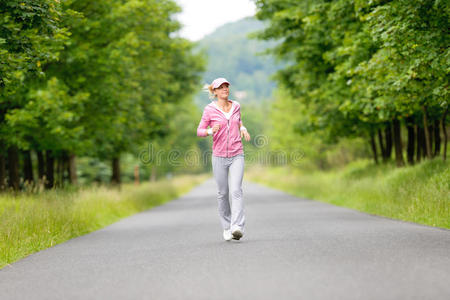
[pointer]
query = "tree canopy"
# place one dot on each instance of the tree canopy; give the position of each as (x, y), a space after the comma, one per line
(89, 78)
(365, 68)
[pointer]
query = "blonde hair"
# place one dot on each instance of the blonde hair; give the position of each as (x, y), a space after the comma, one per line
(208, 88)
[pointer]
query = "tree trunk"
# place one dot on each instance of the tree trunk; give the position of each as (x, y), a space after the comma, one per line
(431, 131)
(41, 165)
(411, 143)
(427, 133)
(373, 145)
(65, 167)
(73, 179)
(115, 178)
(27, 168)
(398, 143)
(136, 175)
(424, 144)
(62, 167)
(388, 137)
(2, 172)
(13, 167)
(382, 147)
(437, 138)
(49, 168)
(59, 170)
(444, 130)
(419, 143)
(153, 174)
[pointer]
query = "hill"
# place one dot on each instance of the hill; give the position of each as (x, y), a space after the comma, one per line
(233, 55)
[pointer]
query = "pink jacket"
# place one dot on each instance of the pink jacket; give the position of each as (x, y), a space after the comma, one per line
(227, 141)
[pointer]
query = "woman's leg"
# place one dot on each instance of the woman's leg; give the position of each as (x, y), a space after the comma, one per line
(220, 171)
(237, 203)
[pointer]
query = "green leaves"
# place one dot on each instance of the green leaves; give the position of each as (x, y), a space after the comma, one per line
(93, 78)
(51, 117)
(361, 62)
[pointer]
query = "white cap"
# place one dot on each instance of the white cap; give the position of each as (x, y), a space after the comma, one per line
(218, 81)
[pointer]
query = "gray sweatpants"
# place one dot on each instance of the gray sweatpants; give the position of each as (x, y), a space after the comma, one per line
(228, 173)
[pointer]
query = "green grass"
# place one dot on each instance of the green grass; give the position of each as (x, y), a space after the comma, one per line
(32, 222)
(419, 193)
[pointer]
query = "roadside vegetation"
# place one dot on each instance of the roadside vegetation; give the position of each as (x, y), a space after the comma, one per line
(359, 117)
(419, 193)
(30, 222)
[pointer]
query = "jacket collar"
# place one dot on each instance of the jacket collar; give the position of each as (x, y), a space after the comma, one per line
(233, 106)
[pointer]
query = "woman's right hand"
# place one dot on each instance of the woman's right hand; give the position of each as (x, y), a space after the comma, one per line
(215, 128)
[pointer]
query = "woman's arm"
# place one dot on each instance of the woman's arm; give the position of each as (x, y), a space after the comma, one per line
(204, 123)
(241, 126)
(244, 132)
(242, 129)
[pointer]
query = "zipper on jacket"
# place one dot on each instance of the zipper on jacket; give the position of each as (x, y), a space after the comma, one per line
(228, 123)
(228, 133)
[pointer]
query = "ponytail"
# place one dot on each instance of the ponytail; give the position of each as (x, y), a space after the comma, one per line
(210, 91)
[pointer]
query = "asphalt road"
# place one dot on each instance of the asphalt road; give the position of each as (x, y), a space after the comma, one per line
(293, 248)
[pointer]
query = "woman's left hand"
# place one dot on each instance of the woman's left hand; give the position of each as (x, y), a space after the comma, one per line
(245, 134)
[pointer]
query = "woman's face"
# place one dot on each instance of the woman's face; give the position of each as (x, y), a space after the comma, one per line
(223, 91)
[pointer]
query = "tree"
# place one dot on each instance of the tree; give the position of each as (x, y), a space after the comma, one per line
(363, 67)
(92, 78)
(30, 36)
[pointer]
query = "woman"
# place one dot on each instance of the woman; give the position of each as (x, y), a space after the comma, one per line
(224, 119)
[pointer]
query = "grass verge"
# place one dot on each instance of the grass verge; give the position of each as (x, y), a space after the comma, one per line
(419, 193)
(32, 222)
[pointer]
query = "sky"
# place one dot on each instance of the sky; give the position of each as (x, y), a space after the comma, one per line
(201, 17)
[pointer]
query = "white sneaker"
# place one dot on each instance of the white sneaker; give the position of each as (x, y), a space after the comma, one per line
(227, 236)
(237, 234)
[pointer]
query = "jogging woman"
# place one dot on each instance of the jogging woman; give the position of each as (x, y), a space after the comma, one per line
(223, 117)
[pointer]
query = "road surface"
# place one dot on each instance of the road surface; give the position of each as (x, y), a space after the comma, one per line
(293, 248)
